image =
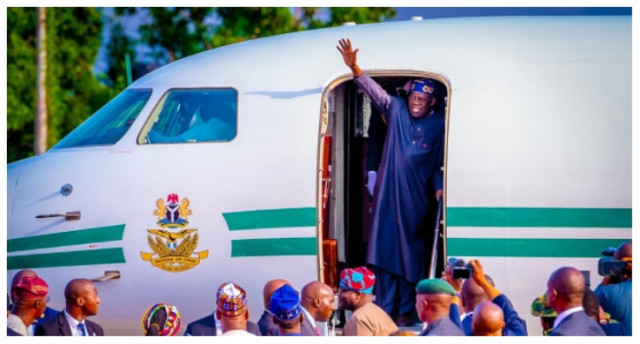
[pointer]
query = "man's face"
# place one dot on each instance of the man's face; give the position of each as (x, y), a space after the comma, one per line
(326, 304)
(347, 299)
(91, 301)
(419, 104)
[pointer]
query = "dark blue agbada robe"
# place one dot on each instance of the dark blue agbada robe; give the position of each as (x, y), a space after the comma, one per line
(408, 177)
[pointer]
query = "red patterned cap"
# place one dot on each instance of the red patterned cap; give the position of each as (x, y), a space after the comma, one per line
(231, 300)
(359, 279)
(31, 287)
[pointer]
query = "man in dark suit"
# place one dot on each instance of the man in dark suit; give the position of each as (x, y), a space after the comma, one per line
(82, 301)
(565, 290)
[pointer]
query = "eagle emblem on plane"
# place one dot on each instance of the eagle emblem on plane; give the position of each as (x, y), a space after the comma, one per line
(173, 245)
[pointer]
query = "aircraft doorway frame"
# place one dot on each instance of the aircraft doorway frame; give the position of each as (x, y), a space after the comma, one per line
(341, 156)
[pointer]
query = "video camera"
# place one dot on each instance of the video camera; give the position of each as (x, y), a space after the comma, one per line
(609, 266)
(460, 269)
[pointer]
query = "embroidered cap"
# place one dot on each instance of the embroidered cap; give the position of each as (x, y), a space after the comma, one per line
(285, 303)
(434, 286)
(425, 86)
(359, 279)
(231, 299)
(172, 324)
(31, 287)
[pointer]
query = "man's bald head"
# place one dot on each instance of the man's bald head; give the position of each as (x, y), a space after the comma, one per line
(270, 287)
(315, 289)
(318, 298)
(623, 251)
(75, 289)
(488, 320)
(569, 285)
(472, 293)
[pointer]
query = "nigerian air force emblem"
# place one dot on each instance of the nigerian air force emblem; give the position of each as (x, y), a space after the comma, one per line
(172, 244)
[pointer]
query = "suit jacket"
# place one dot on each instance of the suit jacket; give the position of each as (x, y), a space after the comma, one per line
(443, 327)
(207, 327)
(59, 326)
(306, 329)
(267, 327)
(578, 324)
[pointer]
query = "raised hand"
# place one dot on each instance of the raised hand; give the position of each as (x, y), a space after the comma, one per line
(349, 55)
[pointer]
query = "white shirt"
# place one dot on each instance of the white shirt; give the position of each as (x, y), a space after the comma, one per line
(238, 333)
(566, 313)
(73, 324)
(15, 323)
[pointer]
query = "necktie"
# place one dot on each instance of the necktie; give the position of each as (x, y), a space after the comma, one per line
(317, 331)
(82, 329)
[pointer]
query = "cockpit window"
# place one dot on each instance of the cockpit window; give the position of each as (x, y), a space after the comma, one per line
(110, 123)
(193, 115)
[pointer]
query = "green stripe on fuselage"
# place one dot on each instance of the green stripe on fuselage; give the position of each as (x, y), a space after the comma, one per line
(271, 218)
(516, 247)
(73, 258)
(274, 247)
(77, 237)
(539, 217)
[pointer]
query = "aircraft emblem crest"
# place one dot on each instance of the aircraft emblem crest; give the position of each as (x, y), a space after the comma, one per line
(174, 245)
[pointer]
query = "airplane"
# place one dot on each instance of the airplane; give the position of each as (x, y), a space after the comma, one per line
(248, 159)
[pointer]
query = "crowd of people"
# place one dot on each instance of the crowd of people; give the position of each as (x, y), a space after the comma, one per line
(445, 306)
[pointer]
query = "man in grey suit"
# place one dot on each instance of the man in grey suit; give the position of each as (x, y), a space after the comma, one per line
(565, 290)
(82, 301)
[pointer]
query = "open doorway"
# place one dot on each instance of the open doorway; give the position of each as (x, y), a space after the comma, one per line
(352, 137)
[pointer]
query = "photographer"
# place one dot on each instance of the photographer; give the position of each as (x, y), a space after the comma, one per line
(514, 325)
(614, 293)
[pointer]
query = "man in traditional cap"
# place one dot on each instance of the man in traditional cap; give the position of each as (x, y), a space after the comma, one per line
(266, 324)
(232, 310)
(514, 324)
(367, 319)
(231, 301)
(317, 305)
(48, 311)
(433, 302)
(82, 301)
(286, 310)
(410, 169)
(30, 300)
(565, 290)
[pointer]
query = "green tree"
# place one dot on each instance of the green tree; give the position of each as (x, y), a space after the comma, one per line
(21, 81)
(73, 92)
(119, 45)
(176, 31)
